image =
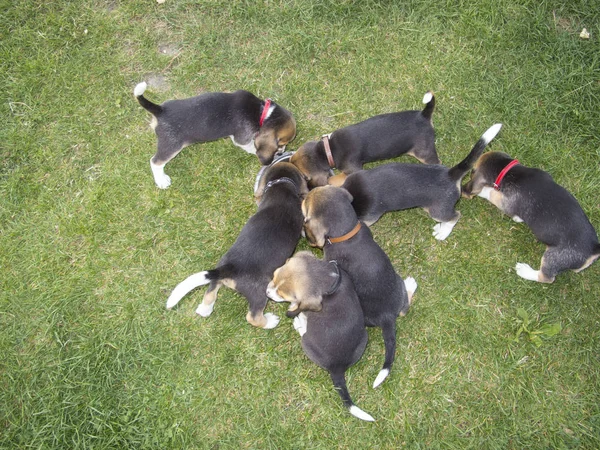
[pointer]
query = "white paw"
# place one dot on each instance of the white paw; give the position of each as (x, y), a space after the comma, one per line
(485, 192)
(442, 230)
(272, 321)
(382, 375)
(163, 182)
(300, 324)
(525, 271)
(411, 285)
(205, 310)
(517, 219)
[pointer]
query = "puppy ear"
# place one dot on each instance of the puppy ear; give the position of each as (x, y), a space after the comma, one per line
(266, 146)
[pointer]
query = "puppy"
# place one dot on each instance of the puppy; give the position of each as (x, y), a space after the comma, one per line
(380, 137)
(327, 314)
(264, 244)
(257, 126)
(530, 195)
(396, 186)
(330, 222)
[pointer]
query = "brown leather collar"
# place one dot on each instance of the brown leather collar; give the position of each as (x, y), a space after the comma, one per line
(325, 139)
(346, 236)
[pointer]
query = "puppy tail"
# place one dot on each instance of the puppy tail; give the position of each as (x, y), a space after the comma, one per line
(389, 340)
(429, 101)
(339, 382)
(190, 283)
(138, 92)
(457, 172)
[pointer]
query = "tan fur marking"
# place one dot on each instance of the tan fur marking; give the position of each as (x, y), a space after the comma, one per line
(587, 263)
(258, 321)
(337, 180)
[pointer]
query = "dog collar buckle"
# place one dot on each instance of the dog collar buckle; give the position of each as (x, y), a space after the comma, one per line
(325, 139)
(503, 173)
(338, 280)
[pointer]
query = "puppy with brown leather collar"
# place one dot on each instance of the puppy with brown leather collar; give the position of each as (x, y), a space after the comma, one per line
(554, 216)
(397, 186)
(265, 242)
(330, 222)
(327, 315)
(258, 127)
(380, 137)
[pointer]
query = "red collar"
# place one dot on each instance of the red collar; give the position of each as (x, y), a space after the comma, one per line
(265, 111)
(325, 139)
(504, 171)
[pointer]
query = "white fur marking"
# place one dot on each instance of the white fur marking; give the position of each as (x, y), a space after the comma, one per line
(140, 88)
(357, 412)
(411, 285)
(427, 97)
(491, 133)
(205, 310)
(191, 282)
(382, 375)
(300, 324)
(517, 219)
(272, 321)
(525, 271)
(161, 179)
(249, 147)
(486, 193)
(273, 295)
(269, 112)
(442, 230)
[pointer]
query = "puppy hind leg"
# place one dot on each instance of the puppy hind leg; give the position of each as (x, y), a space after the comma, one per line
(256, 315)
(205, 308)
(166, 151)
(389, 340)
(339, 382)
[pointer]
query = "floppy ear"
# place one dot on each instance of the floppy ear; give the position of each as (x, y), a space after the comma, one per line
(266, 146)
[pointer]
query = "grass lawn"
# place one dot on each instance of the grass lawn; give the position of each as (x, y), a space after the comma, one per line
(90, 248)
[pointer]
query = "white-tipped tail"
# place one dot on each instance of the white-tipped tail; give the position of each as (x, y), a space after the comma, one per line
(140, 88)
(427, 97)
(357, 412)
(491, 133)
(191, 282)
(411, 285)
(382, 375)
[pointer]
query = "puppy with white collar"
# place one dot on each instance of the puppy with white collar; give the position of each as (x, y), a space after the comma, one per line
(258, 127)
(554, 216)
(330, 222)
(381, 137)
(265, 242)
(327, 315)
(397, 186)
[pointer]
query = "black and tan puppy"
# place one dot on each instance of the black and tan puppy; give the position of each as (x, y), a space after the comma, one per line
(554, 216)
(330, 222)
(381, 137)
(258, 127)
(396, 186)
(266, 241)
(327, 314)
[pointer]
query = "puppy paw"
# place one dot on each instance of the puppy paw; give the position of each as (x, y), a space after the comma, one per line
(300, 324)
(442, 230)
(205, 310)
(163, 182)
(517, 219)
(272, 321)
(525, 271)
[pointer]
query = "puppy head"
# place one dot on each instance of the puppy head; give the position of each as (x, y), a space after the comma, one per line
(280, 169)
(277, 131)
(485, 171)
(310, 159)
(302, 281)
(327, 212)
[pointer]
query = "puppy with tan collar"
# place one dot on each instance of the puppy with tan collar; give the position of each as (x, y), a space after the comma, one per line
(258, 127)
(397, 186)
(330, 222)
(381, 137)
(264, 244)
(554, 216)
(327, 315)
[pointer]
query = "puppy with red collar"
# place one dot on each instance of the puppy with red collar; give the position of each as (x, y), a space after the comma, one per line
(265, 242)
(327, 315)
(397, 186)
(258, 127)
(330, 222)
(381, 137)
(554, 216)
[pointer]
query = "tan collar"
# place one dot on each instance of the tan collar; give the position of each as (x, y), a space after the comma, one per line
(346, 236)
(325, 139)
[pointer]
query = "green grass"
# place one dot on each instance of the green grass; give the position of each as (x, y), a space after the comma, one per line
(90, 248)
